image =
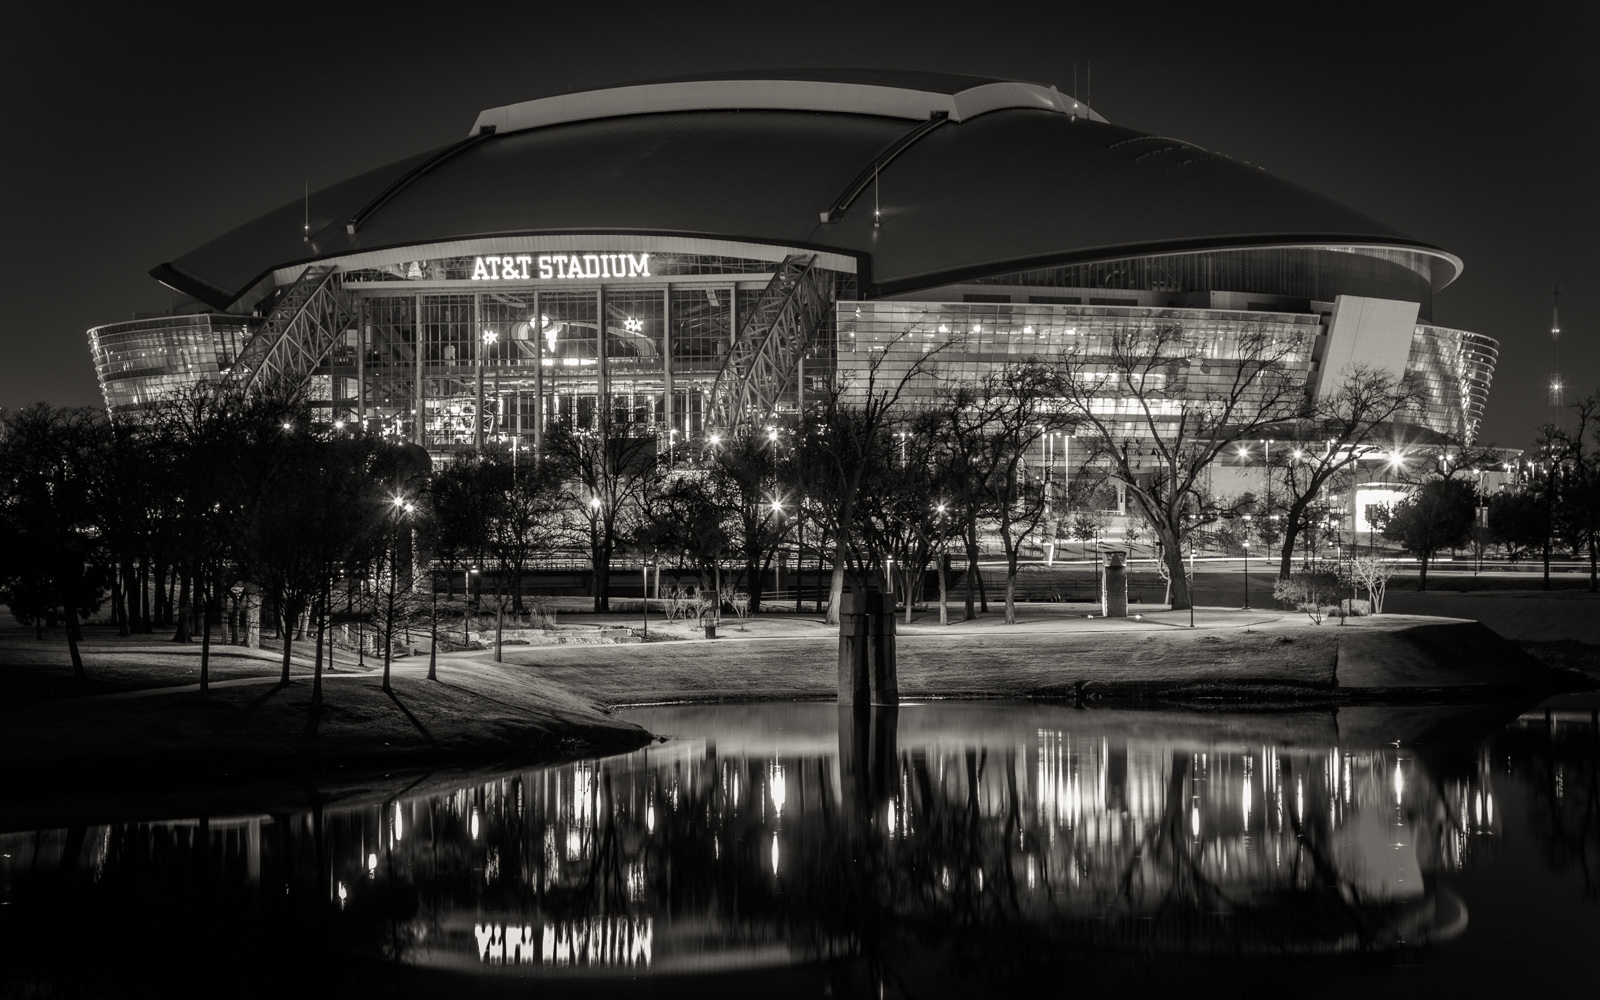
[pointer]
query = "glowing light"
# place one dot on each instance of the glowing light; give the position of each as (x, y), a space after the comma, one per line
(1399, 784)
(716, 439)
(594, 502)
(774, 854)
(650, 817)
(344, 894)
(1194, 820)
(778, 783)
(399, 823)
(472, 824)
(372, 862)
(561, 266)
(633, 325)
(489, 337)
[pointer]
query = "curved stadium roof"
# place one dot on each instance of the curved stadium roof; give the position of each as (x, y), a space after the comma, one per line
(976, 177)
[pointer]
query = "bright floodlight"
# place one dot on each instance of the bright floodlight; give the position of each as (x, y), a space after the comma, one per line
(399, 501)
(772, 435)
(716, 439)
(777, 507)
(489, 336)
(594, 502)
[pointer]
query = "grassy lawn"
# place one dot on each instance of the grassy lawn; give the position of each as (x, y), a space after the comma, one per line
(31, 669)
(988, 664)
(475, 710)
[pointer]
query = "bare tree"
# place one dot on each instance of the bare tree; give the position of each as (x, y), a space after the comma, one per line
(607, 471)
(990, 426)
(1163, 402)
(844, 435)
(1335, 433)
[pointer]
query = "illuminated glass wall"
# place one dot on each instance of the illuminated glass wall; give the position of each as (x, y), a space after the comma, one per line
(140, 361)
(1454, 368)
(497, 360)
(966, 340)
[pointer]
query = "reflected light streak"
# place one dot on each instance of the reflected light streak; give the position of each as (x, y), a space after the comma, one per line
(776, 779)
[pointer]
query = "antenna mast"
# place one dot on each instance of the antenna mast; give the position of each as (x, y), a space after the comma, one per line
(1556, 387)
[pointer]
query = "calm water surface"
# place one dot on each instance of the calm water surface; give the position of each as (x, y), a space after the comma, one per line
(951, 849)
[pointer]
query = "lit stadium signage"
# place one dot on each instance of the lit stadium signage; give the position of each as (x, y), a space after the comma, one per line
(547, 267)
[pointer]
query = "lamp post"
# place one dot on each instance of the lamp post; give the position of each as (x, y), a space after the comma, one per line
(645, 601)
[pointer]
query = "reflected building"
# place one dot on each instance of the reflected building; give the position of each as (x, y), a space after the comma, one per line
(681, 255)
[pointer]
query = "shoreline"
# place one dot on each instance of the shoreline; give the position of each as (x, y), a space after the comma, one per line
(258, 741)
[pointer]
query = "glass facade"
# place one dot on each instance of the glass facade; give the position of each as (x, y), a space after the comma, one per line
(521, 355)
(1454, 368)
(983, 336)
(1308, 274)
(140, 361)
(435, 357)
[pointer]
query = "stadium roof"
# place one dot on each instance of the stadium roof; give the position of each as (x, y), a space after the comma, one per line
(972, 176)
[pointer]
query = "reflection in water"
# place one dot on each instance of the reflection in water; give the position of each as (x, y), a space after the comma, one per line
(888, 849)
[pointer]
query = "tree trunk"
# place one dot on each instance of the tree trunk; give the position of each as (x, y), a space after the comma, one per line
(602, 582)
(433, 641)
(1011, 585)
(1547, 562)
(74, 634)
(752, 582)
(1422, 578)
(971, 543)
(287, 631)
(1290, 530)
(205, 634)
(316, 668)
(499, 628)
(145, 625)
(1177, 578)
(836, 585)
(944, 588)
(1594, 565)
(119, 614)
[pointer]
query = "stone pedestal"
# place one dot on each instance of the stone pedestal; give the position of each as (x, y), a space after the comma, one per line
(867, 674)
(1114, 586)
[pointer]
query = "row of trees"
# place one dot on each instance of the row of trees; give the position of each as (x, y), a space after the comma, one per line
(219, 488)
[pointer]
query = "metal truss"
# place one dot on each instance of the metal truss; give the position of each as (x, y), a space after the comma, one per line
(758, 374)
(299, 332)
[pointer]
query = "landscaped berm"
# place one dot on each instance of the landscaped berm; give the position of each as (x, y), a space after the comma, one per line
(140, 722)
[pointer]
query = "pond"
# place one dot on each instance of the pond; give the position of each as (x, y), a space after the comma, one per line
(943, 849)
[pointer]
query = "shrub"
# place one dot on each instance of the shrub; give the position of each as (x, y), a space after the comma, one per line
(1356, 608)
(1312, 593)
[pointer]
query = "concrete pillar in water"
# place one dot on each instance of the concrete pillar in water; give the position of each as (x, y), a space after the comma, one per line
(868, 762)
(867, 674)
(1114, 588)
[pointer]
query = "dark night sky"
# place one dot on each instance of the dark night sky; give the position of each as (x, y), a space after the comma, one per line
(140, 131)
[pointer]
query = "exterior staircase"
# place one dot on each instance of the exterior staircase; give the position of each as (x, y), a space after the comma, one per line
(759, 374)
(298, 333)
